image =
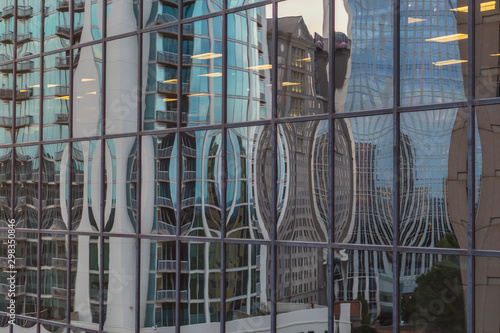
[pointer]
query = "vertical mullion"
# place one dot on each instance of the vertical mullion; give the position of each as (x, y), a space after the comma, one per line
(40, 170)
(70, 166)
(178, 219)
(140, 5)
(331, 168)
(274, 177)
(103, 167)
(40, 163)
(471, 165)
(223, 170)
(396, 169)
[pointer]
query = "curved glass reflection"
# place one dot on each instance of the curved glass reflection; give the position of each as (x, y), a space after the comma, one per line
(181, 177)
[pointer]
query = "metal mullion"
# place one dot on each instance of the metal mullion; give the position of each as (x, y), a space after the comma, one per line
(471, 164)
(139, 171)
(274, 176)
(331, 168)
(40, 169)
(13, 172)
(486, 253)
(69, 253)
(103, 167)
(396, 171)
(485, 101)
(433, 250)
(432, 107)
(224, 169)
(13, 128)
(178, 220)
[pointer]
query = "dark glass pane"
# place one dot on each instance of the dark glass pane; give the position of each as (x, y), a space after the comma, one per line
(200, 285)
(430, 200)
(28, 101)
(434, 296)
(363, 284)
(201, 183)
(158, 185)
(246, 183)
(26, 200)
(369, 141)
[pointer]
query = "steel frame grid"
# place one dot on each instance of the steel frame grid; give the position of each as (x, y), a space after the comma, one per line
(396, 111)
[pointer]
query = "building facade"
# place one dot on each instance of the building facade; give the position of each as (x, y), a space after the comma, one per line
(249, 166)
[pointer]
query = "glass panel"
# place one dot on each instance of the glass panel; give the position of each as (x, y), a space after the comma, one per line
(249, 87)
(433, 52)
(24, 273)
(301, 294)
(26, 192)
(85, 184)
(487, 179)
(300, 219)
(29, 19)
(120, 275)
(364, 43)
(120, 158)
(54, 284)
(487, 291)
(247, 294)
(200, 285)
(363, 285)
(28, 101)
(58, 30)
(56, 25)
(87, 20)
(6, 94)
(433, 292)
(201, 79)
(160, 79)
(54, 194)
(160, 12)
(85, 279)
(192, 8)
(201, 183)
(345, 176)
(121, 86)
(122, 17)
(487, 47)
(302, 58)
(246, 184)
(158, 185)
(158, 269)
(5, 185)
(263, 183)
(87, 90)
(425, 165)
(56, 97)
(237, 3)
(369, 141)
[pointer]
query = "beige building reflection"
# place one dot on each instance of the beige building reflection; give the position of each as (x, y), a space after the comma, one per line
(487, 164)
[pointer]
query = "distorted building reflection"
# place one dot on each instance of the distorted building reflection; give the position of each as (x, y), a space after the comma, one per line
(486, 160)
(91, 186)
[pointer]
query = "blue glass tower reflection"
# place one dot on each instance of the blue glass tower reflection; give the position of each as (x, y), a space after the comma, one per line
(431, 72)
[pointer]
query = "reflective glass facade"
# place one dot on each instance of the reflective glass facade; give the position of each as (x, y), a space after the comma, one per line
(250, 166)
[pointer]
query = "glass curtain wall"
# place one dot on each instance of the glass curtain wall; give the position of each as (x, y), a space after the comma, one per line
(250, 165)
